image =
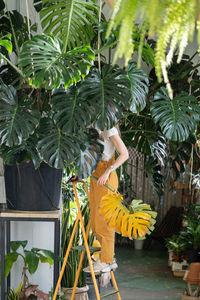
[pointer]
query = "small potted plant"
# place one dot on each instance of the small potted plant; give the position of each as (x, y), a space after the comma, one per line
(177, 248)
(192, 292)
(31, 259)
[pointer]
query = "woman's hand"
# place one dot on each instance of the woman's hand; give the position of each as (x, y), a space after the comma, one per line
(104, 177)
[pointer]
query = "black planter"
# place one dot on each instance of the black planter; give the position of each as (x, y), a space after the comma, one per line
(32, 190)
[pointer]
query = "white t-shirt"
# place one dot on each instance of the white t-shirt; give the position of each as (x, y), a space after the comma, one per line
(109, 147)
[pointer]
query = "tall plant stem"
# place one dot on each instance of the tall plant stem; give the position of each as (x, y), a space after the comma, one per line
(99, 37)
(108, 186)
(12, 28)
(28, 21)
(68, 27)
(12, 65)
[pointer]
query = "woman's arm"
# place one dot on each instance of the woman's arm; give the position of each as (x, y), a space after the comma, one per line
(123, 156)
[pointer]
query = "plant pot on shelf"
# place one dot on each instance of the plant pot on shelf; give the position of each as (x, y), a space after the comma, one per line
(31, 189)
(80, 294)
(179, 268)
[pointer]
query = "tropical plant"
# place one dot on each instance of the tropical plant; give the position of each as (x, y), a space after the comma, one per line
(31, 259)
(68, 220)
(172, 22)
(59, 92)
(177, 246)
(165, 131)
(136, 221)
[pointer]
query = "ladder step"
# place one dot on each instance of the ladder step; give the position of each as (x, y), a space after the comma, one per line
(108, 294)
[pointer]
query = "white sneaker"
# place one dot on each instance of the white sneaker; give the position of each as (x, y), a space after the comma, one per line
(101, 267)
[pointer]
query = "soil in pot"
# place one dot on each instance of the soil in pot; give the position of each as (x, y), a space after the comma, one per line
(31, 189)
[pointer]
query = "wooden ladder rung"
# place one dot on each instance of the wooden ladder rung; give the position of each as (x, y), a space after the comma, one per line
(108, 294)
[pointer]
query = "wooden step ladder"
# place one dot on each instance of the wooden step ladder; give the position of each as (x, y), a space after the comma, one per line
(79, 218)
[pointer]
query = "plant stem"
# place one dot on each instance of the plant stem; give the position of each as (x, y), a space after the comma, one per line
(12, 28)
(12, 65)
(108, 186)
(99, 38)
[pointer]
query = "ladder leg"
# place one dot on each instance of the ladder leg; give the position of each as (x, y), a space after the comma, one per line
(115, 284)
(80, 265)
(65, 259)
(86, 245)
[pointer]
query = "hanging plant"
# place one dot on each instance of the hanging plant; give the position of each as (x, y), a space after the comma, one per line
(134, 222)
(172, 22)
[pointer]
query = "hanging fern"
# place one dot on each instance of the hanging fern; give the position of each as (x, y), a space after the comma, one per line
(172, 22)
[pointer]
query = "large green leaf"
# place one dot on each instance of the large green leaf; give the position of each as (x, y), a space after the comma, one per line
(32, 260)
(10, 259)
(72, 113)
(139, 87)
(89, 155)
(47, 65)
(6, 43)
(110, 90)
(16, 244)
(58, 149)
(18, 122)
(71, 20)
(177, 118)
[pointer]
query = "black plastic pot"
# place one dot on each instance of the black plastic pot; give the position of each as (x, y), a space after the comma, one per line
(31, 189)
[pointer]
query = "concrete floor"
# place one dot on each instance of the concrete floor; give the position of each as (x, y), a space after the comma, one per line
(144, 275)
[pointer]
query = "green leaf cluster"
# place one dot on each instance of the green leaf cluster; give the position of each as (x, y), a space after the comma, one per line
(31, 258)
(172, 22)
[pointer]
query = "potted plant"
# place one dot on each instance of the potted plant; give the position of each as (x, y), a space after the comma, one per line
(68, 219)
(31, 259)
(193, 280)
(50, 98)
(177, 247)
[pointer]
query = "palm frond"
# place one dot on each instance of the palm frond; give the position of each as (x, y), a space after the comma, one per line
(72, 21)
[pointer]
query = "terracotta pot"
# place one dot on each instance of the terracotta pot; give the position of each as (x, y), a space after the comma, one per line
(193, 276)
(80, 294)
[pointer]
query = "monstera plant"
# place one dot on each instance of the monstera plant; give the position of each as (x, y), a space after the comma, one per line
(54, 91)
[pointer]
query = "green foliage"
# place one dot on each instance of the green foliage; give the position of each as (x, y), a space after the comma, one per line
(45, 62)
(177, 118)
(172, 22)
(68, 219)
(72, 21)
(139, 87)
(31, 258)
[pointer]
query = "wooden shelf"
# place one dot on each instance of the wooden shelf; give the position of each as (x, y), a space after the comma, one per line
(30, 214)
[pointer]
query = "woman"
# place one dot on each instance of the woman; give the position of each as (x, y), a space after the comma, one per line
(106, 174)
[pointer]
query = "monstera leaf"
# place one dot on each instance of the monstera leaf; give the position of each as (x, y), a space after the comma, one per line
(89, 155)
(139, 87)
(47, 65)
(58, 148)
(71, 20)
(71, 112)
(6, 43)
(177, 118)
(18, 122)
(109, 90)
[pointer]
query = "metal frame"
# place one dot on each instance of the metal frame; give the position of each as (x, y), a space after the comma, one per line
(5, 244)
